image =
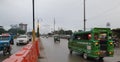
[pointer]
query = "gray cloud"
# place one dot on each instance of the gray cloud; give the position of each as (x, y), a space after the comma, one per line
(68, 13)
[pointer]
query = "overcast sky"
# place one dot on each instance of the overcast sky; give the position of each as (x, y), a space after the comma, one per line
(67, 13)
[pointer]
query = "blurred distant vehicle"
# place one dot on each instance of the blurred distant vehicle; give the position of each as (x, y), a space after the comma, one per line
(22, 39)
(5, 43)
(47, 36)
(56, 38)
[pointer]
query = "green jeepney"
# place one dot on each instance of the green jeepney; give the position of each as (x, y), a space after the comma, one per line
(96, 43)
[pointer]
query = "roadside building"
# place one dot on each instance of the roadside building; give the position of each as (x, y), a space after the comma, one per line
(23, 27)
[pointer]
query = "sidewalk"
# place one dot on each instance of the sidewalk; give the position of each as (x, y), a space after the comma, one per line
(43, 57)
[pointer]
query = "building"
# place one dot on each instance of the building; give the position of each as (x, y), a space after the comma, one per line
(23, 27)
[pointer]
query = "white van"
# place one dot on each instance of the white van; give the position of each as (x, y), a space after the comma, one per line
(22, 39)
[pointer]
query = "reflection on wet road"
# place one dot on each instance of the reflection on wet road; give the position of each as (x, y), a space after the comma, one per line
(58, 52)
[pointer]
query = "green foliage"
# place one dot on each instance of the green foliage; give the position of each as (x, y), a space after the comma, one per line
(69, 32)
(16, 30)
(2, 30)
(63, 32)
(21, 32)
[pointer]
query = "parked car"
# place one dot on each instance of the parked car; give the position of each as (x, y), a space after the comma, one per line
(22, 39)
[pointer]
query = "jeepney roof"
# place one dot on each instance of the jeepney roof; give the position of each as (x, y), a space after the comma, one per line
(94, 29)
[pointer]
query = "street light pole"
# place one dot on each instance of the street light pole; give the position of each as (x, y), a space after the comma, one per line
(33, 15)
(84, 17)
(33, 32)
(54, 26)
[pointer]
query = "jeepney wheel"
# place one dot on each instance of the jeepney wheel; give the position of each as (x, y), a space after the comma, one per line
(99, 59)
(85, 56)
(5, 51)
(9, 50)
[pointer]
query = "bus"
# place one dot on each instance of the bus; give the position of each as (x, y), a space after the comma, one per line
(96, 43)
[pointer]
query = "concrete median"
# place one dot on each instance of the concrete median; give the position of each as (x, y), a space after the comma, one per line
(28, 53)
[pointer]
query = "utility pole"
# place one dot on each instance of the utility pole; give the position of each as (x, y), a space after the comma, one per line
(33, 32)
(33, 15)
(54, 25)
(84, 17)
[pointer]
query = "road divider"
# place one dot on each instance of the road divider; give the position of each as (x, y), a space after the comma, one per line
(28, 53)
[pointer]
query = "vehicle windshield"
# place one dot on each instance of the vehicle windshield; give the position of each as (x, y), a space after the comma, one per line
(22, 37)
(4, 37)
(100, 36)
(103, 36)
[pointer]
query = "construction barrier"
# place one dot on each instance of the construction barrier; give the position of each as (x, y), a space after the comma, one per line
(28, 53)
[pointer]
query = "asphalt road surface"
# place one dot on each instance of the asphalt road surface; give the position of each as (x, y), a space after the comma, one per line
(59, 52)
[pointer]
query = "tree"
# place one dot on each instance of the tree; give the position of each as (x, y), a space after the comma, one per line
(16, 30)
(13, 31)
(2, 30)
(68, 32)
(61, 31)
(21, 31)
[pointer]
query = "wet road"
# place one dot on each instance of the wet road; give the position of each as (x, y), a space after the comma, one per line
(58, 52)
(15, 48)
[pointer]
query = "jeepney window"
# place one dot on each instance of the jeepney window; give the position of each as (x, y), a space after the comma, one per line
(4, 37)
(77, 37)
(96, 36)
(86, 36)
(72, 36)
(103, 36)
(110, 36)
